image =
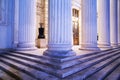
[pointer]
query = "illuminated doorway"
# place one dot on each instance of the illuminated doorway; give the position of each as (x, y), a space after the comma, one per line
(75, 22)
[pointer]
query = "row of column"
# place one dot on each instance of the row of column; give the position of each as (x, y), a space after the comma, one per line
(107, 23)
(60, 27)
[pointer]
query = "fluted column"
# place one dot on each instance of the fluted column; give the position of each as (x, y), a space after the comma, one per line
(59, 29)
(113, 23)
(118, 22)
(103, 7)
(27, 24)
(89, 25)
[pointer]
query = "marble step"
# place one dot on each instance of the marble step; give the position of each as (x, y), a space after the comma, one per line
(28, 72)
(63, 65)
(71, 70)
(117, 70)
(8, 74)
(57, 65)
(115, 75)
(78, 56)
(40, 67)
(12, 71)
(83, 67)
(96, 71)
(65, 59)
(61, 73)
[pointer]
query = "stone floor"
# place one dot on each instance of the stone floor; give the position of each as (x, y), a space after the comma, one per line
(88, 65)
(75, 48)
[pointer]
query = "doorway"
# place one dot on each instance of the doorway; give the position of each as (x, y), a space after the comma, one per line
(75, 22)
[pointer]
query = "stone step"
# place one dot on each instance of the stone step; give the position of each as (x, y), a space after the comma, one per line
(82, 67)
(27, 69)
(40, 67)
(65, 59)
(9, 74)
(110, 71)
(68, 71)
(79, 56)
(34, 59)
(115, 75)
(55, 65)
(59, 73)
(5, 75)
(90, 71)
(17, 70)
(85, 59)
(64, 64)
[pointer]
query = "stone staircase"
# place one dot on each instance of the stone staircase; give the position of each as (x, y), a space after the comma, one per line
(104, 65)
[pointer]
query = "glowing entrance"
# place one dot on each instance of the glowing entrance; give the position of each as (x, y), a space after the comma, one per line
(75, 20)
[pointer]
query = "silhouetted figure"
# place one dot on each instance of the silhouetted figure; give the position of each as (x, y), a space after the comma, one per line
(41, 32)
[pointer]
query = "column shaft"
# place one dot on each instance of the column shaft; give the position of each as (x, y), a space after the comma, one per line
(113, 23)
(27, 24)
(59, 28)
(118, 22)
(103, 23)
(89, 25)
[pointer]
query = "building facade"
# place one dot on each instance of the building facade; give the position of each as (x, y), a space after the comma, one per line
(92, 24)
(58, 25)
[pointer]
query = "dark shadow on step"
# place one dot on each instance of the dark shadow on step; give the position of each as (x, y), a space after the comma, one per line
(10, 73)
(17, 68)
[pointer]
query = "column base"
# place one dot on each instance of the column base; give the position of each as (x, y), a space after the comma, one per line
(59, 61)
(89, 47)
(25, 49)
(104, 46)
(59, 54)
(114, 45)
(26, 46)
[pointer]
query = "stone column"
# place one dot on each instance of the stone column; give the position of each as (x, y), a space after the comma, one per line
(113, 23)
(27, 24)
(89, 25)
(59, 29)
(16, 23)
(103, 7)
(118, 22)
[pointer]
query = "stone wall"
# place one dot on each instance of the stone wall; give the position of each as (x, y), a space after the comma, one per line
(6, 23)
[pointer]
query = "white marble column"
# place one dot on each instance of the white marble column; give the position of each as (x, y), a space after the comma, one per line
(16, 23)
(103, 23)
(118, 22)
(89, 25)
(113, 23)
(59, 28)
(27, 24)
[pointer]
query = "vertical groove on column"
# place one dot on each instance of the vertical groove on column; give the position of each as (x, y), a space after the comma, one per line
(103, 23)
(118, 22)
(89, 25)
(60, 28)
(27, 23)
(113, 23)
(62, 23)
